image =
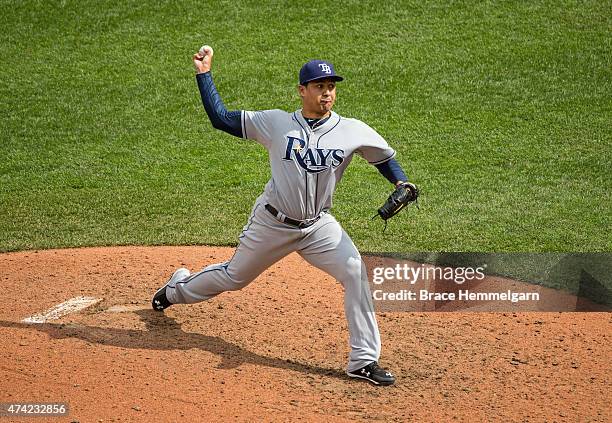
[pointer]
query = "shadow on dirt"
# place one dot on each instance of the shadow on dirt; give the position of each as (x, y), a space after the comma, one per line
(163, 333)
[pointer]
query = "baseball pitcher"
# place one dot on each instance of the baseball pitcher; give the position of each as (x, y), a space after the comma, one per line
(308, 151)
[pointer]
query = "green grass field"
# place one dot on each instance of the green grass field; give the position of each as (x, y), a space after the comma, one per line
(500, 111)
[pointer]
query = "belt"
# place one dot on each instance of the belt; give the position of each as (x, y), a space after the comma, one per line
(302, 224)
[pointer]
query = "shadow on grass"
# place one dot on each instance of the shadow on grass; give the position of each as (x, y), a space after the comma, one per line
(163, 333)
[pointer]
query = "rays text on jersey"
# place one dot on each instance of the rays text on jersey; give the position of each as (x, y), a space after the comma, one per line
(312, 160)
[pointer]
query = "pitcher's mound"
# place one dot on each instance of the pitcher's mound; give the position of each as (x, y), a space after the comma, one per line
(276, 350)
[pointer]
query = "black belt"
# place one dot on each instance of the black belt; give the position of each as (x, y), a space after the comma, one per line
(285, 219)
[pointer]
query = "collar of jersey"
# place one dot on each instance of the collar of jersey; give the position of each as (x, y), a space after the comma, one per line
(333, 120)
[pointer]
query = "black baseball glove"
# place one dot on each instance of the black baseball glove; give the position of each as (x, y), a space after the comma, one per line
(404, 195)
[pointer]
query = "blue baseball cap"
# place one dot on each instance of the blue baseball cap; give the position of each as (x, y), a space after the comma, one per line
(318, 69)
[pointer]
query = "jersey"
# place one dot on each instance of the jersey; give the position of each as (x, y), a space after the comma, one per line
(307, 164)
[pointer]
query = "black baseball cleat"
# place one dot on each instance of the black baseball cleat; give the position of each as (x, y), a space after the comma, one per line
(373, 373)
(160, 300)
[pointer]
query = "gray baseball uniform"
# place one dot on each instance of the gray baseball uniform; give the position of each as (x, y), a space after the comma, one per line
(306, 166)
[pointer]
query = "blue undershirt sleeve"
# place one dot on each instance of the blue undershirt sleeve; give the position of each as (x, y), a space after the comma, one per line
(392, 170)
(219, 116)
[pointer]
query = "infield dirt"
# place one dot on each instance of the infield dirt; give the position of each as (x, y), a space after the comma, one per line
(276, 350)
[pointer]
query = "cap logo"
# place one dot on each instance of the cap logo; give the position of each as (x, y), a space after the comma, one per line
(325, 68)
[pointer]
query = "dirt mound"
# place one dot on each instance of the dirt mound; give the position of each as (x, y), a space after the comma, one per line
(276, 350)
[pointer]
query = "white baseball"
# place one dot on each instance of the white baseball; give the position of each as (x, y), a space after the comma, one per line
(203, 50)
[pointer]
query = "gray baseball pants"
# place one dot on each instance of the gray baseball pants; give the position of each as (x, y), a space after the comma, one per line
(325, 245)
